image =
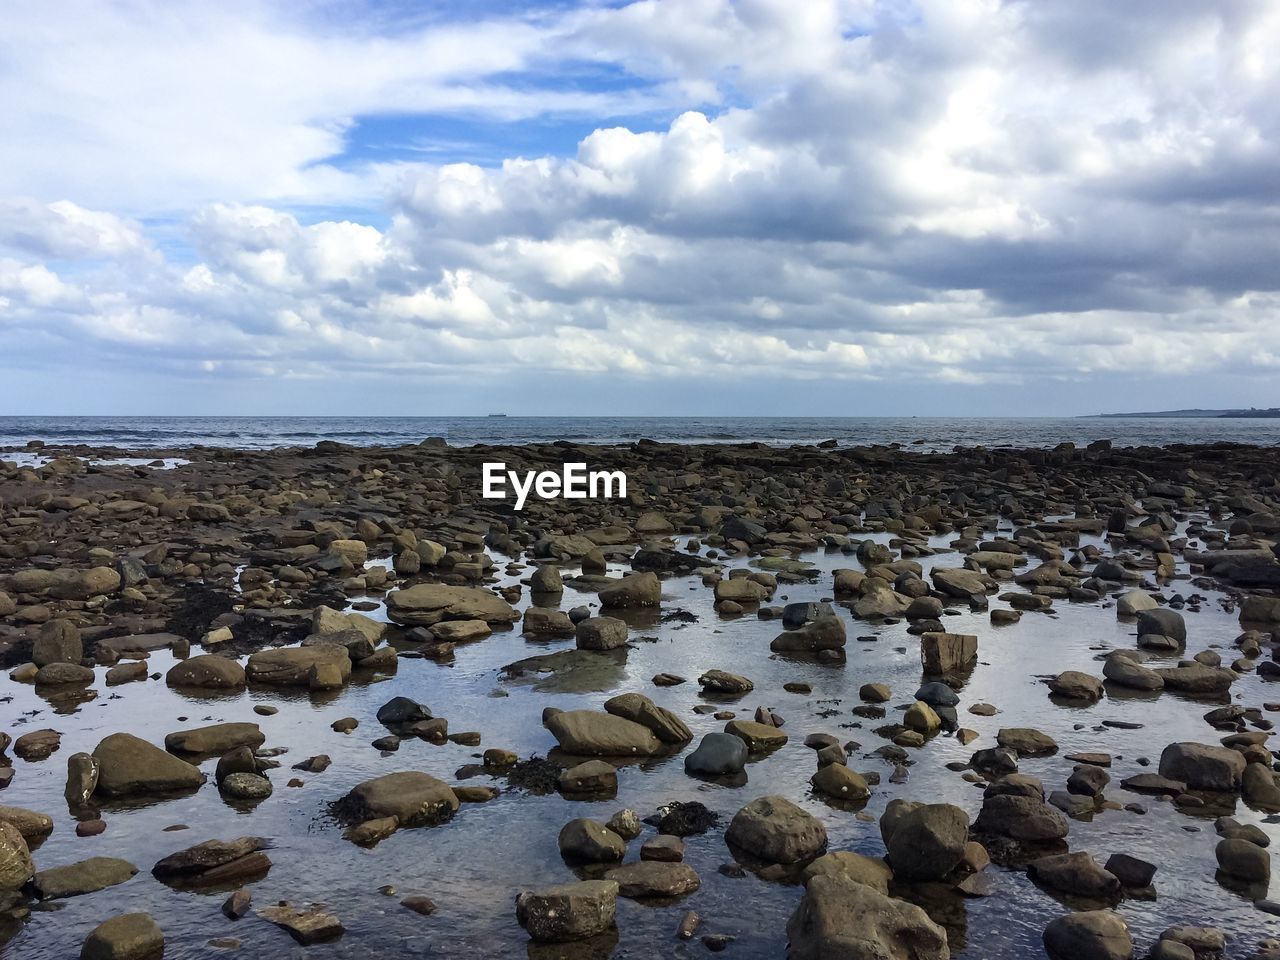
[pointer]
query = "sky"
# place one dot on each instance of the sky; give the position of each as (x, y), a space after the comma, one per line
(665, 207)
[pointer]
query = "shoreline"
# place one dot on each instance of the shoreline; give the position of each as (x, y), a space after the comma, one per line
(953, 629)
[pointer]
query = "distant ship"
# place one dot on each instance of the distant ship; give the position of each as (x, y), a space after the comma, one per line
(497, 414)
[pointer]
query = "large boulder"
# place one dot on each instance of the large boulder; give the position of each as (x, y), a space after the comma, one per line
(589, 841)
(841, 919)
(868, 871)
(84, 876)
(591, 734)
(16, 867)
(718, 755)
(601, 633)
(635, 590)
(568, 911)
(772, 829)
(666, 726)
(741, 590)
(959, 582)
(427, 604)
(131, 767)
(1020, 817)
(1076, 873)
(942, 654)
(216, 738)
(320, 666)
(57, 642)
(128, 936)
(413, 798)
(1203, 767)
(824, 633)
(924, 841)
(1089, 935)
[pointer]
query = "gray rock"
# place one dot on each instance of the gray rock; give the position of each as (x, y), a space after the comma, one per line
(718, 755)
(774, 830)
(568, 911)
(840, 918)
(129, 936)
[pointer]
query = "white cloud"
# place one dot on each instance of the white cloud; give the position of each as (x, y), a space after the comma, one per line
(982, 193)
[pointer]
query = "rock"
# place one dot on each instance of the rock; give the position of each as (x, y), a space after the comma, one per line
(1131, 871)
(587, 733)
(943, 654)
(87, 876)
(594, 778)
(57, 642)
(1076, 873)
(626, 824)
(427, 604)
(214, 862)
(1074, 685)
(924, 841)
(1134, 602)
(1162, 621)
(215, 739)
(718, 755)
(1090, 935)
(402, 710)
(840, 918)
(653, 878)
(1197, 678)
(774, 830)
(413, 798)
(300, 667)
(245, 786)
(875, 692)
(635, 590)
(1203, 767)
(547, 579)
(131, 767)
(663, 847)
(823, 634)
(129, 936)
(740, 590)
(29, 823)
(37, 745)
(313, 925)
(16, 867)
(1026, 742)
(568, 911)
(839, 782)
(921, 718)
(60, 674)
(237, 905)
(1121, 669)
(130, 672)
(1088, 781)
(1020, 817)
(867, 871)
(587, 841)
(545, 622)
(1242, 860)
(636, 707)
(730, 684)
(759, 737)
(601, 633)
(1259, 789)
(207, 671)
(82, 779)
(460, 631)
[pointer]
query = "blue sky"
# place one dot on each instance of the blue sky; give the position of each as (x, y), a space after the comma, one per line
(692, 207)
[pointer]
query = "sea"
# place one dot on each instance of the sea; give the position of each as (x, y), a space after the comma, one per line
(924, 433)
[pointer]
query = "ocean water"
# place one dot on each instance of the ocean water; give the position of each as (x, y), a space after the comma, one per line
(927, 433)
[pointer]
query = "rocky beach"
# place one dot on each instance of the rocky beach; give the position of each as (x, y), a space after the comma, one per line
(816, 701)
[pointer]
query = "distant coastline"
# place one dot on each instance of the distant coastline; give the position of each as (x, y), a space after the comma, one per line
(1252, 413)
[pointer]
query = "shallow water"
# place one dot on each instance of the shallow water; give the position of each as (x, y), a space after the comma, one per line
(473, 866)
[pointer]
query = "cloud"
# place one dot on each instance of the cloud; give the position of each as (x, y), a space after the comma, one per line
(975, 195)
